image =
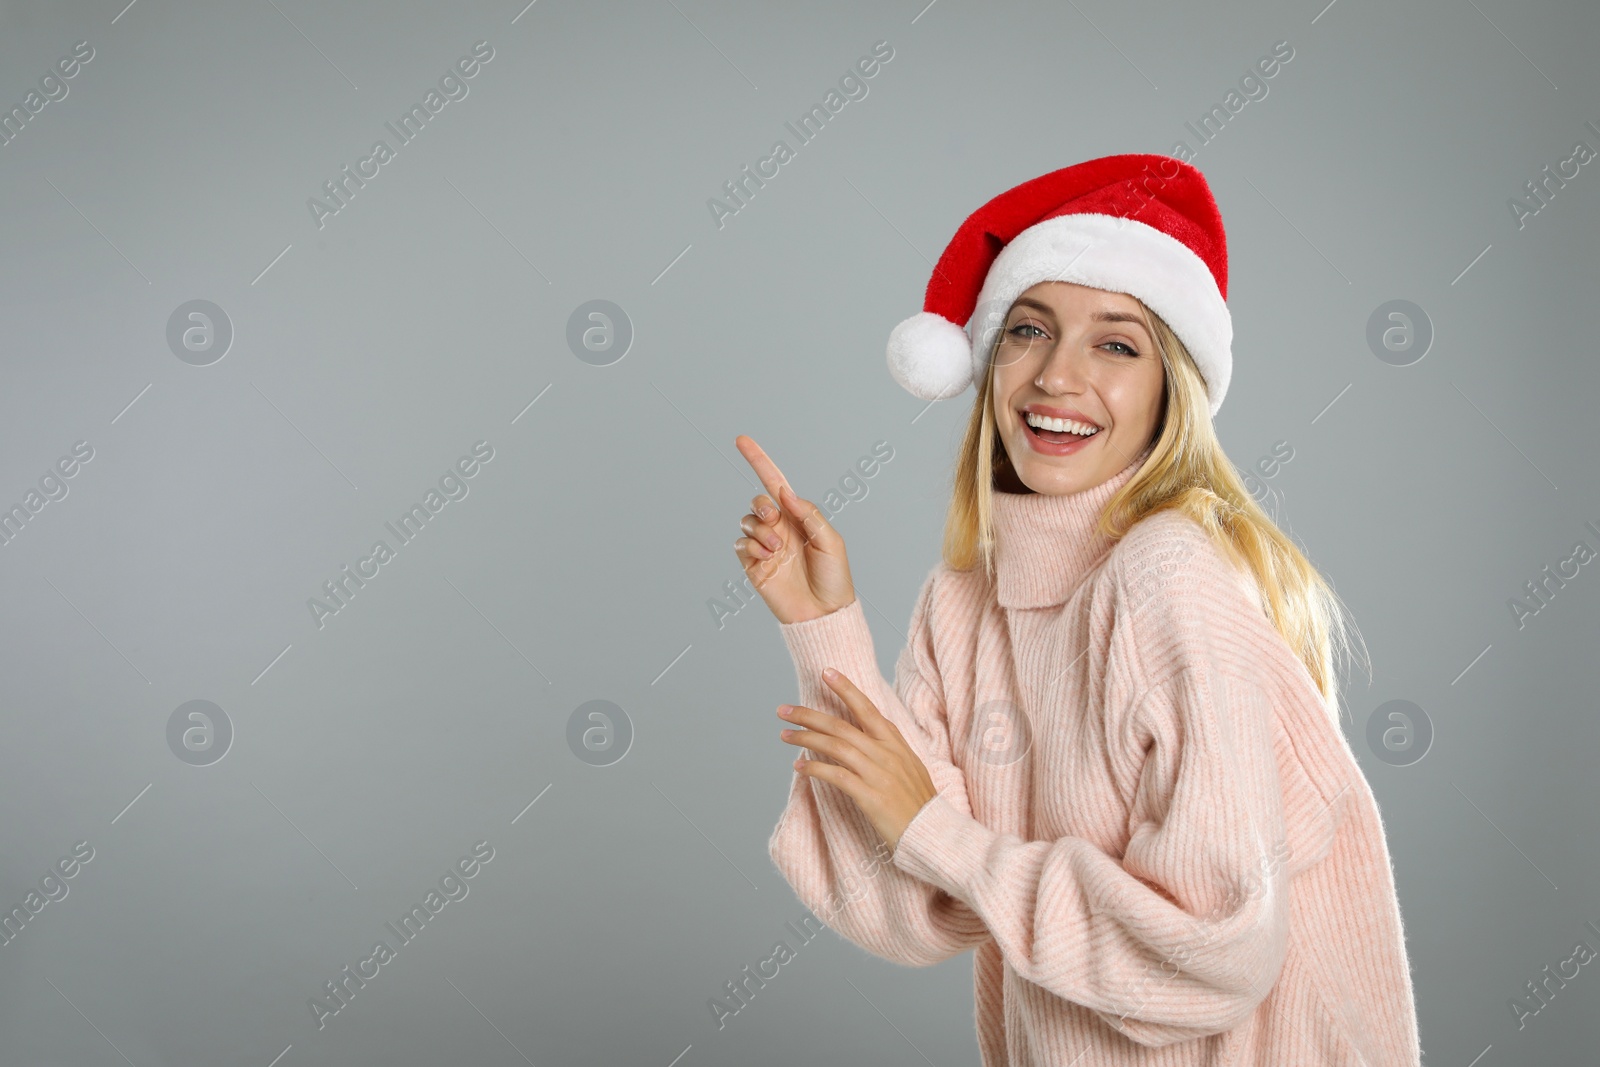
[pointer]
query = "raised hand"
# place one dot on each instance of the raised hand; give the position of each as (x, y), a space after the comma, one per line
(792, 554)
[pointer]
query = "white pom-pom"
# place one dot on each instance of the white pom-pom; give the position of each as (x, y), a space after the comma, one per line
(930, 356)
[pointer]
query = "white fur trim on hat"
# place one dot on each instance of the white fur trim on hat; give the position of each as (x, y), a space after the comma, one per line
(930, 356)
(1120, 255)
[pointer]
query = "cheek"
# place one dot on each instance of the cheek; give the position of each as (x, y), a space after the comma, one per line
(1013, 371)
(1155, 387)
(1136, 397)
(1013, 366)
(1001, 389)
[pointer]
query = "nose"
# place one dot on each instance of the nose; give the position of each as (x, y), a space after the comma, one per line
(1063, 370)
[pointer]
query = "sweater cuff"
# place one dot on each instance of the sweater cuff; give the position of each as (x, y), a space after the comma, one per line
(942, 846)
(840, 639)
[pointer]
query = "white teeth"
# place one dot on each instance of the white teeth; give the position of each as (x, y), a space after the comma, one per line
(1084, 429)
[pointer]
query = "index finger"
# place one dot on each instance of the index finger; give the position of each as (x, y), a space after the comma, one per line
(873, 722)
(765, 469)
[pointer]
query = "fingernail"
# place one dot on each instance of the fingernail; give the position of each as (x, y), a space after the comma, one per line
(766, 512)
(830, 673)
(784, 710)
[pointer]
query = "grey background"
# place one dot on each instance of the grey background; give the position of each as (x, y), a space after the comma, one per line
(369, 354)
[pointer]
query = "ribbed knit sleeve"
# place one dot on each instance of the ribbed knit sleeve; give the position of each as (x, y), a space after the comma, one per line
(1185, 933)
(825, 847)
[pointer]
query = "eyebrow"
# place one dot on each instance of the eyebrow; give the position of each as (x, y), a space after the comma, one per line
(1098, 316)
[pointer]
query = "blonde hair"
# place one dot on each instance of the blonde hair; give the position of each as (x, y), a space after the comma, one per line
(1188, 472)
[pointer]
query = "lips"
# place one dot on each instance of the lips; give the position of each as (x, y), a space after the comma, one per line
(1056, 435)
(1051, 412)
(1053, 443)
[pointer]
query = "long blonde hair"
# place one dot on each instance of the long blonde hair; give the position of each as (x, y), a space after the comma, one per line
(1186, 471)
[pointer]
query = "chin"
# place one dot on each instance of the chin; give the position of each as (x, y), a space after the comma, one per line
(1057, 485)
(1055, 475)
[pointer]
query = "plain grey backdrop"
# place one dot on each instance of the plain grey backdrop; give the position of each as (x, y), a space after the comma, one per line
(234, 456)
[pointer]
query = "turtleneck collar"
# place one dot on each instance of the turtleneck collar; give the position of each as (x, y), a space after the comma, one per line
(1046, 543)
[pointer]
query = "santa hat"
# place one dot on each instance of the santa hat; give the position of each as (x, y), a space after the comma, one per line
(1145, 225)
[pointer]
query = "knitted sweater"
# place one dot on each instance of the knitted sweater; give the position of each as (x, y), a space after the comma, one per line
(1147, 825)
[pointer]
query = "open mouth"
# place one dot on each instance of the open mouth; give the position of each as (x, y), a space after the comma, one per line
(1057, 431)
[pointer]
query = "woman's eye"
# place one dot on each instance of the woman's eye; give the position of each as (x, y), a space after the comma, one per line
(1129, 349)
(1024, 326)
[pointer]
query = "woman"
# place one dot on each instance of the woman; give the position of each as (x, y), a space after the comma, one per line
(1111, 762)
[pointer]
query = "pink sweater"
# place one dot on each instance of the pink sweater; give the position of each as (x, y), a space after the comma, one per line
(1148, 826)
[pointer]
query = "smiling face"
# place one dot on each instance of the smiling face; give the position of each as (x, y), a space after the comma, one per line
(1071, 352)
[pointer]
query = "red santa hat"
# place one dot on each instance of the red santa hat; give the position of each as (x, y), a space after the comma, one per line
(1146, 225)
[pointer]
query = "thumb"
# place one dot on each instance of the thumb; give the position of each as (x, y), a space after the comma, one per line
(819, 532)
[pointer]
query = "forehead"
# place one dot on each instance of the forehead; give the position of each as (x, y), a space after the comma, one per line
(1060, 300)
(1067, 296)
